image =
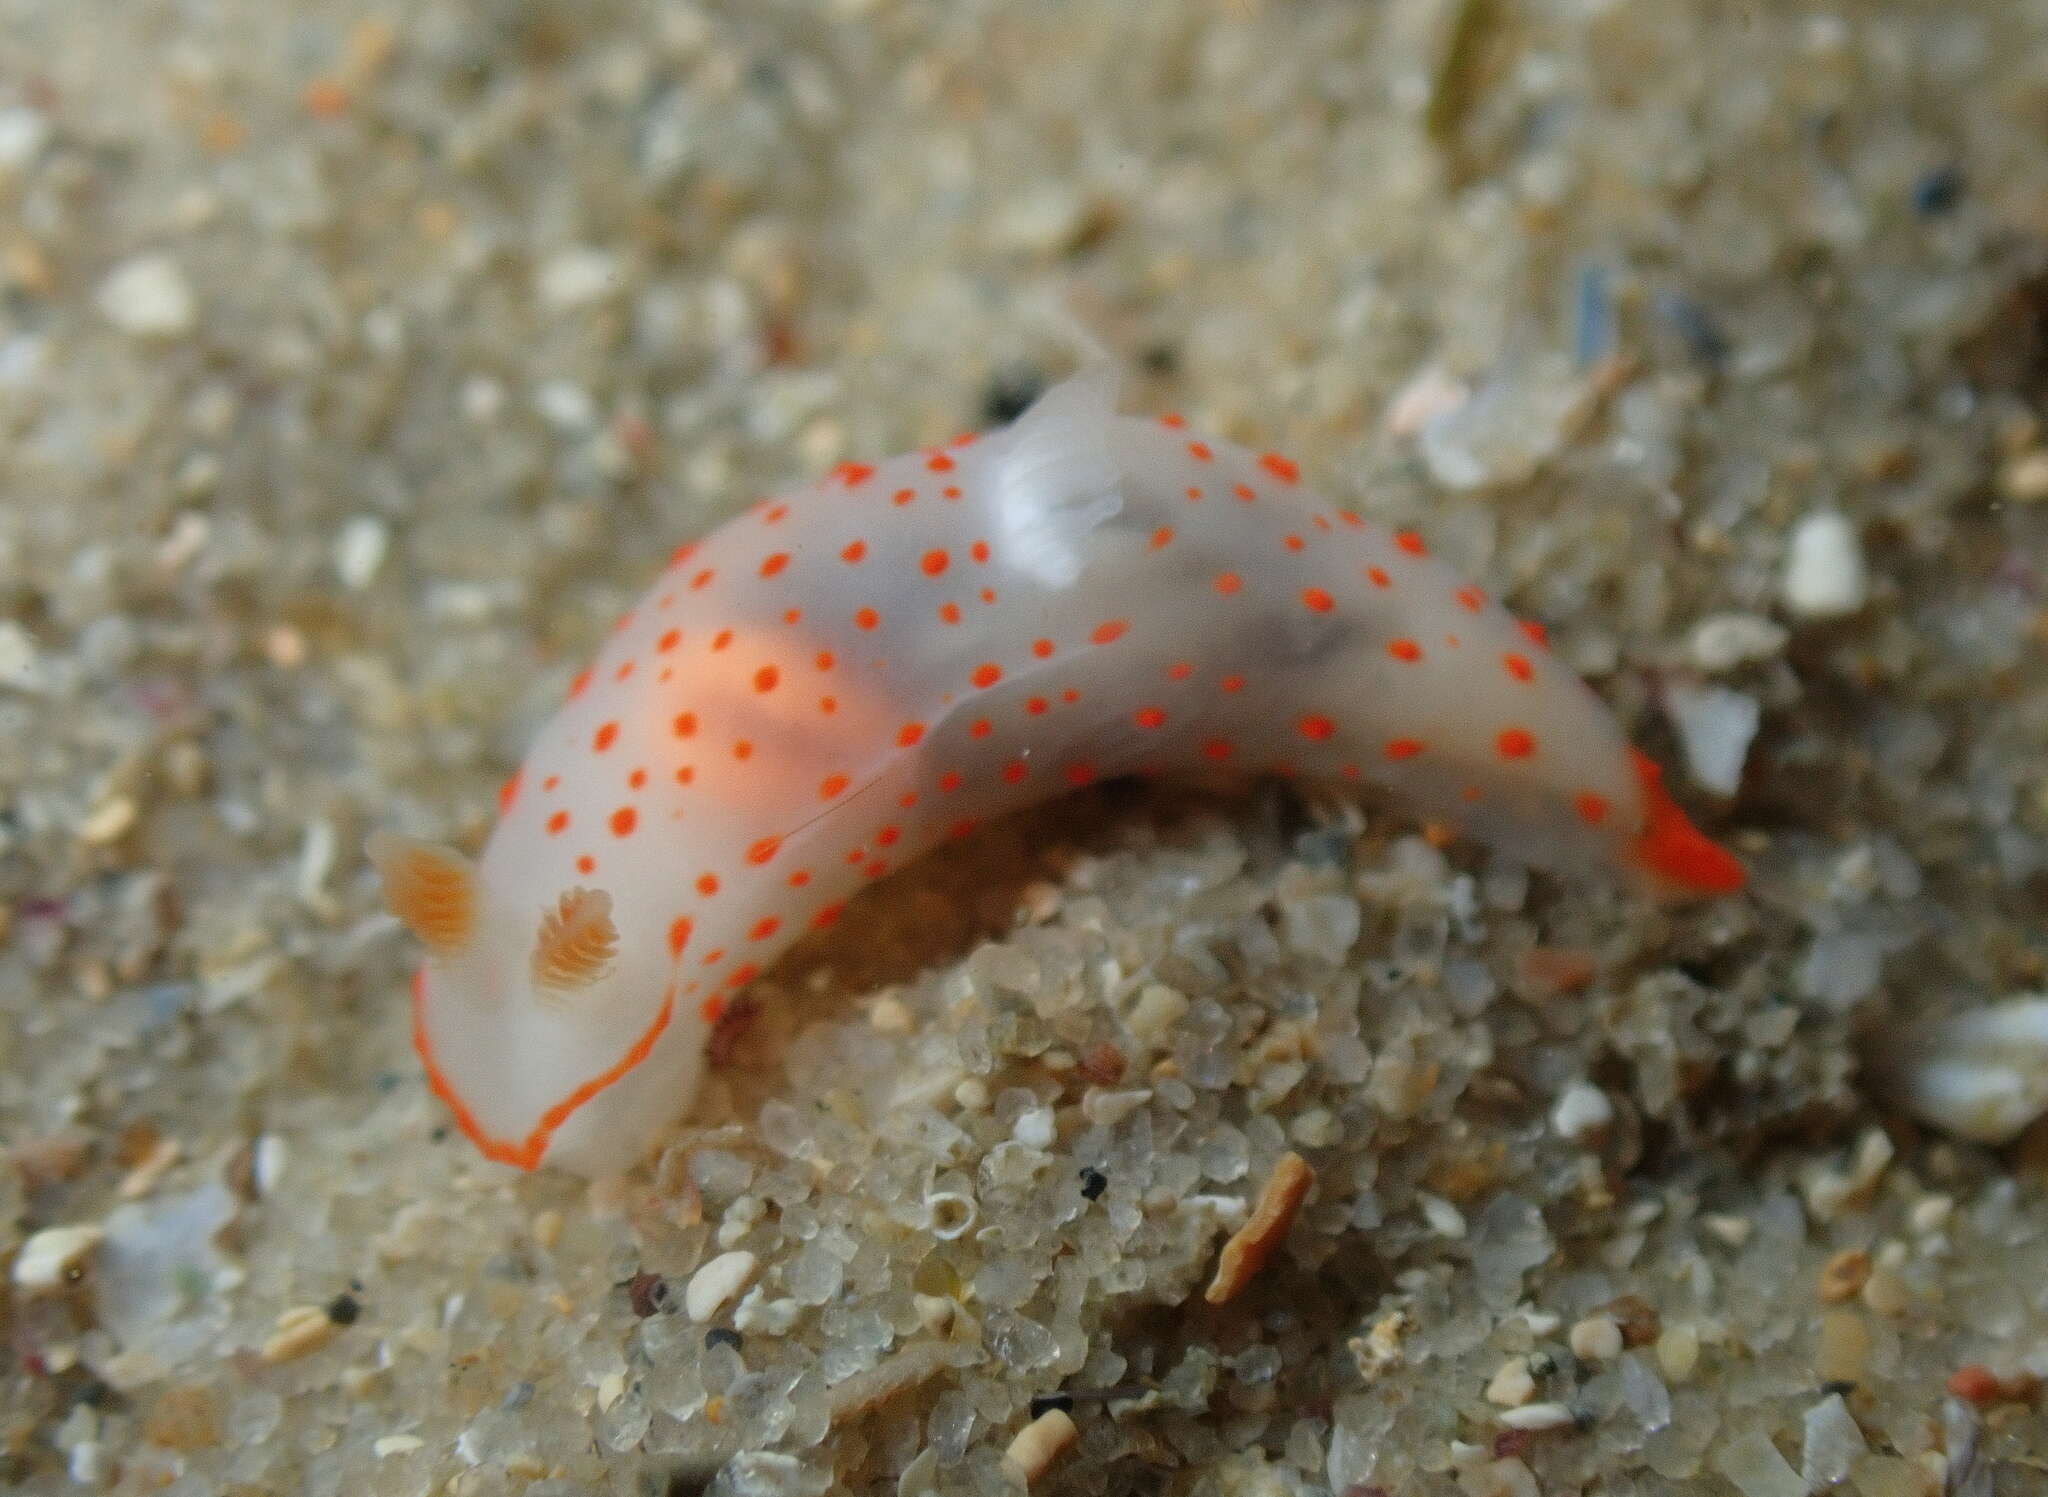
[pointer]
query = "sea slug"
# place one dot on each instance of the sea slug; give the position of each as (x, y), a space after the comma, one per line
(840, 678)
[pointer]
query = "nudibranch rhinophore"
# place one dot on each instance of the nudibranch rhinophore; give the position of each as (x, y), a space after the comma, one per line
(837, 679)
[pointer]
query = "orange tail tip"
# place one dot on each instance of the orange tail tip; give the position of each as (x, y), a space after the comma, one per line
(1681, 858)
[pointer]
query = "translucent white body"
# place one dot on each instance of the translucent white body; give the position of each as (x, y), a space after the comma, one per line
(836, 680)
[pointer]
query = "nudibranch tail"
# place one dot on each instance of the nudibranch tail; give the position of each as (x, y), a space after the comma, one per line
(431, 889)
(1681, 860)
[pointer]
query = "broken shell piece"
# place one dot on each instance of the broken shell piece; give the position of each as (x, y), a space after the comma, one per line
(55, 1258)
(1980, 1075)
(1253, 1243)
(716, 1282)
(1039, 1444)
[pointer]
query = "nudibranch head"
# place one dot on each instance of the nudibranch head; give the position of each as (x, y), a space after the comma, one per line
(524, 1017)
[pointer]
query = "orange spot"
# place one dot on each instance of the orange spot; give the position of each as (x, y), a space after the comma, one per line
(558, 823)
(938, 462)
(1279, 467)
(950, 781)
(980, 728)
(714, 957)
(1471, 599)
(712, 1009)
(1674, 851)
(1162, 537)
(949, 492)
(1410, 542)
(1110, 631)
(1037, 706)
(1535, 632)
(765, 927)
(508, 792)
(1233, 684)
(987, 674)
(702, 580)
(1315, 600)
(1243, 493)
(1194, 494)
(707, 884)
(799, 878)
(907, 799)
(1352, 518)
(1402, 748)
(685, 724)
(902, 497)
(682, 553)
(1042, 648)
(1218, 749)
(964, 827)
(326, 99)
(764, 850)
(1070, 695)
(1515, 743)
(1080, 774)
(1150, 717)
(1519, 667)
(1293, 542)
(668, 641)
(979, 551)
(1315, 728)
(854, 551)
(1229, 583)
(867, 618)
(1321, 522)
(949, 613)
(910, 734)
(851, 474)
(828, 705)
(743, 974)
(793, 616)
(934, 562)
(1014, 771)
(721, 639)
(1405, 650)
(743, 750)
(586, 864)
(1471, 795)
(987, 595)
(825, 660)
(685, 774)
(766, 677)
(625, 669)
(1179, 671)
(827, 917)
(1200, 452)
(679, 934)
(774, 563)
(580, 684)
(1592, 808)
(776, 514)
(1174, 420)
(605, 737)
(551, 782)
(1378, 577)
(637, 780)
(832, 785)
(624, 820)
(888, 836)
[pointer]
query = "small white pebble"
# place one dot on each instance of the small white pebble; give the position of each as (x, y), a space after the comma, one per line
(1732, 1230)
(1582, 1109)
(1981, 1074)
(398, 1445)
(1825, 576)
(718, 1281)
(2024, 479)
(1039, 1444)
(23, 134)
(109, 821)
(757, 1312)
(1931, 1214)
(1155, 1015)
(1727, 640)
(1444, 1219)
(890, 1016)
(578, 277)
(1596, 1339)
(359, 551)
(1105, 1108)
(301, 1330)
(19, 667)
(1540, 1322)
(1715, 728)
(1512, 1386)
(971, 1094)
(149, 297)
(1538, 1416)
(1678, 1351)
(1034, 1129)
(54, 1258)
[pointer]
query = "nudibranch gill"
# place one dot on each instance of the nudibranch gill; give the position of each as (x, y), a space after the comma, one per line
(838, 679)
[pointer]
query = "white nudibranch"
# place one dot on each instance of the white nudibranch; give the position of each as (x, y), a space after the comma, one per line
(840, 678)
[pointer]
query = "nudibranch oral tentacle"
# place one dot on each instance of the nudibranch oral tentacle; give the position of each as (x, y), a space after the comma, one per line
(840, 678)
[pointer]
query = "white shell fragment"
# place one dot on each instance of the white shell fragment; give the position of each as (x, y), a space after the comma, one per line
(53, 1258)
(717, 1282)
(1715, 728)
(149, 297)
(1824, 572)
(1980, 1075)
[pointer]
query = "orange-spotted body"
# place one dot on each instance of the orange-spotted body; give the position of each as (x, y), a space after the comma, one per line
(840, 678)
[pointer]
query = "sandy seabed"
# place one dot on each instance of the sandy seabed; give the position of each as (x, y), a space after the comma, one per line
(358, 366)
